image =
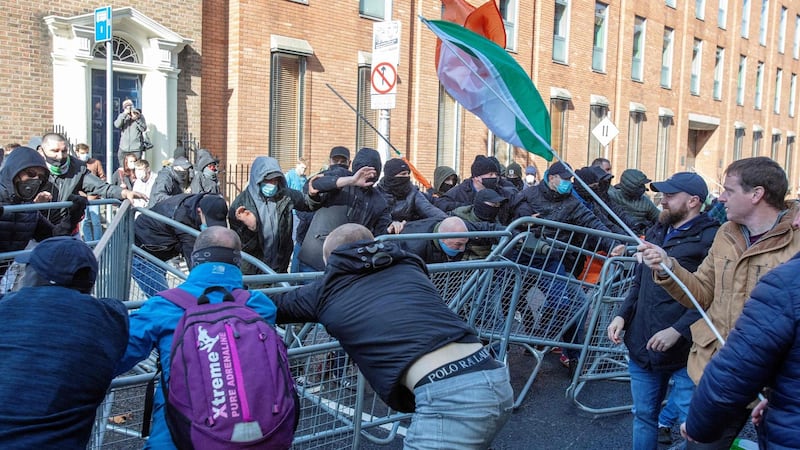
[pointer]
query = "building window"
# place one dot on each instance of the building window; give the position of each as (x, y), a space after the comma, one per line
(449, 133)
(286, 108)
(789, 161)
(600, 31)
(792, 93)
(596, 114)
(697, 61)
(666, 58)
(796, 43)
(719, 59)
(759, 83)
(559, 110)
(637, 61)
(121, 50)
(501, 150)
(745, 18)
(776, 108)
(670, 3)
(561, 31)
(635, 138)
(662, 151)
(738, 143)
(740, 78)
(782, 31)
(700, 9)
(508, 10)
(757, 135)
(776, 144)
(365, 136)
(722, 14)
(762, 28)
(375, 9)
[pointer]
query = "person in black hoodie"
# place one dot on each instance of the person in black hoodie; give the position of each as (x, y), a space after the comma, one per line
(171, 180)
(657, 331)
(164, 241)
(205, 179)
(343, 201)
(416, 353)
(23, 178)
(406, 202)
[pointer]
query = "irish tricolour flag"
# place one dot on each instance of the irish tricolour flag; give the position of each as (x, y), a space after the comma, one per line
(487, 81)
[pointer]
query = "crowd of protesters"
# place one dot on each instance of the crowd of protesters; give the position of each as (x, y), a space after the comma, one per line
(283, 218)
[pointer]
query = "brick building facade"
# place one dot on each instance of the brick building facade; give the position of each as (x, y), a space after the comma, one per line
(250, 78)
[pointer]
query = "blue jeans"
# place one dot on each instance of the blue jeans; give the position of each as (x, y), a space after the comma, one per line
(151, 279)
(678, 400)
(92, 227)
(648, 389)
(462, 412)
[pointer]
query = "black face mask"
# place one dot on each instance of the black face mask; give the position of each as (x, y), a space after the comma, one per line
(28, 189)
(398, 186)
(485, 212)
(490, 183)
(182, 177)
(445, 187)
(517, 182)
(637, 192)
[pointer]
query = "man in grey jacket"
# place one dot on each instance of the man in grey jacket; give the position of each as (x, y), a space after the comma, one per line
(132, 127)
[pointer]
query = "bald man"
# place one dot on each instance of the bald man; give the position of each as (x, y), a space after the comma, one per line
(417, 354)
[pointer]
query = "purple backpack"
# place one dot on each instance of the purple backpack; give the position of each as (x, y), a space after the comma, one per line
(230, 385)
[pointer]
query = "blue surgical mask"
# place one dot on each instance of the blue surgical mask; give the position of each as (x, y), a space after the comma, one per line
(564, 187)
(451, 252)
(203, 227)
(268, 189)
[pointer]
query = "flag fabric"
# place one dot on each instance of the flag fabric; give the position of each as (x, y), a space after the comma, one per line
(485, 20)
(488, 82)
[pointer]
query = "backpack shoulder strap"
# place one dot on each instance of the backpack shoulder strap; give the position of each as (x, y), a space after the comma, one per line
(179, 297)
(241, 296)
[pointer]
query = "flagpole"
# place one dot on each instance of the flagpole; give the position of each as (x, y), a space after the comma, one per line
(541, 140)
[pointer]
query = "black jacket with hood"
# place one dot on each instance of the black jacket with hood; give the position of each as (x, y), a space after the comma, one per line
(201, 184)
(383, 329)
(271, 242)
(18, 228)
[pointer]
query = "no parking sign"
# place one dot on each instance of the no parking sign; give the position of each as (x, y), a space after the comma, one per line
(385, 57)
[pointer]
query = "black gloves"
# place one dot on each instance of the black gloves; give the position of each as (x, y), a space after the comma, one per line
(74, 215)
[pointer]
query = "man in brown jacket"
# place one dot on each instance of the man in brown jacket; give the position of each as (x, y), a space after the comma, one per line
(757, 238)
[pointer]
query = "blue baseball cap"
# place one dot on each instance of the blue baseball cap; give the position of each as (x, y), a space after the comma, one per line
(63, 261)
(688, 182)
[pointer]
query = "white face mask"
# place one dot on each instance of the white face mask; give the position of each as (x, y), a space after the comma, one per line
(530, 179)
(142, 175)
(84, 156)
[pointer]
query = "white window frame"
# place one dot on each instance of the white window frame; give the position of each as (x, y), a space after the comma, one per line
(509, 9)
(286, 148)
(722, 14)
(635, 125)
(764, 24)
(741, 80)
(796, 43)
(600, 37)
(638, 75)
(697, 66)
(667, 49)
(776, 146)
(448, 145)
(365, 9)
(719, 68)
(561, 33)
(759, 84)
(700, 9)
(365, 136)
(738, 142)
(792, 93)
(782, 30)
(671, 3)
(776, 107)
(745, 27)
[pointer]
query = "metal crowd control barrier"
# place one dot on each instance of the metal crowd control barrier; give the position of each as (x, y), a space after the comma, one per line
(541, 287)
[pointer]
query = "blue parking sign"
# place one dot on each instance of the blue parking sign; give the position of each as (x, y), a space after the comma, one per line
(102, 24)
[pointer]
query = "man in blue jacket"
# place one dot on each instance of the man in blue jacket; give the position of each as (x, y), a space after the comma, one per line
(417, 354)
(153, 325)
(657, 327)
(763, 350)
